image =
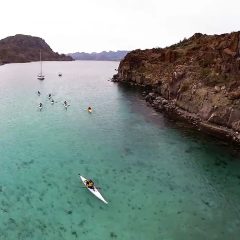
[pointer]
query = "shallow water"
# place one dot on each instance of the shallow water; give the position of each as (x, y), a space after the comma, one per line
(161, 180)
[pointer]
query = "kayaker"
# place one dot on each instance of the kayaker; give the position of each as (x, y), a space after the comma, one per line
(40, 105)
(38, 93)
(65, 103)
(90, 184)
(52, 101)
(49, 95)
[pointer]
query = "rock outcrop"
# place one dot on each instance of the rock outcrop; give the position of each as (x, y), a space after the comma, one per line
(197, 79)
(23, 48)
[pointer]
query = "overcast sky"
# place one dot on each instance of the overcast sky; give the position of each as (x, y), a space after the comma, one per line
(97, 25)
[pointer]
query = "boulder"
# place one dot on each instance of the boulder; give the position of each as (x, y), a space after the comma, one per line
(229, 52)
(217, 89)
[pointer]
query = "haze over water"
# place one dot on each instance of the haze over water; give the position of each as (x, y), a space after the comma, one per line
(161, 181)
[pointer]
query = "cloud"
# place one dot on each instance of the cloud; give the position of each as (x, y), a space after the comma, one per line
(96, 25)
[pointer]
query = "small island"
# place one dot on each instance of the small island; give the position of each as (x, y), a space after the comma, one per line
(24, 48)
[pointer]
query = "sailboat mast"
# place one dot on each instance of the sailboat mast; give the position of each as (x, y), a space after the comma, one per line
(40, 76)
(41, 61)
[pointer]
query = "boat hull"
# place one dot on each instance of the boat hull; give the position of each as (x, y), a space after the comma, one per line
(41, 77)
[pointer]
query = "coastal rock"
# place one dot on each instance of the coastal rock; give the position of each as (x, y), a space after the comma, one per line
(197, 78)
(115, 78)
(234, 119)
(236, 126)
(217, 89)
(220, 117)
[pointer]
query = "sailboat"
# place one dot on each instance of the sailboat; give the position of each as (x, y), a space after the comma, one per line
(40, 75)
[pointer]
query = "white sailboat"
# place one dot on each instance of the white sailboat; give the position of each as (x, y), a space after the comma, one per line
(40, 75)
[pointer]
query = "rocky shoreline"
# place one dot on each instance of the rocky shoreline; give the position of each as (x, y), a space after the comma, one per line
(162, 105)
(207, 96)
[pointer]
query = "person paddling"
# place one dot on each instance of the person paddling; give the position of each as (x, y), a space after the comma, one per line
(38, 93)
(90, 184)
(52, 101)
(49, 95)
(89, 109)
(66, 105)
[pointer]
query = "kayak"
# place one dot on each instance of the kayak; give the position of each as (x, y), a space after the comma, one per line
(93, 191)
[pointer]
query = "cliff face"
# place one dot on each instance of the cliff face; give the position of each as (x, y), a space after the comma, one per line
(198, 79)
(23, 48)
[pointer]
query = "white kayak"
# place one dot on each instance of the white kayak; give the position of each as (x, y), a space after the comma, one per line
(93, 191)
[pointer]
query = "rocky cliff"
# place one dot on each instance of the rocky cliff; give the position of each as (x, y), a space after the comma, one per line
(24, 48)
(197, 79)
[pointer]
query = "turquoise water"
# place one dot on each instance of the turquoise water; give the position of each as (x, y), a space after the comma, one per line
(162, 181)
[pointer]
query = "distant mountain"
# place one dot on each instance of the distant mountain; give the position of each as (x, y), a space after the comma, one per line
(103, 56)
(24, 48)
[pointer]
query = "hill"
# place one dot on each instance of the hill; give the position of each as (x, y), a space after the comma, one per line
(197, 79)
(23, 48)
(102, 56)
